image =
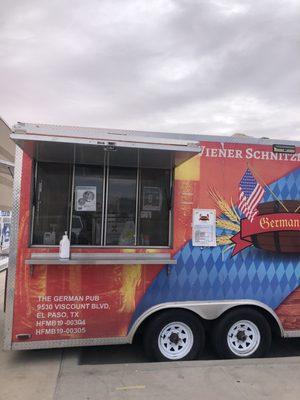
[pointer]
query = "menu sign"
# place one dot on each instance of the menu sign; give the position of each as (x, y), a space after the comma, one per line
(204, 227)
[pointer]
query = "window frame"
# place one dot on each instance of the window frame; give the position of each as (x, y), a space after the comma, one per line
(106, 166)
(33, 199)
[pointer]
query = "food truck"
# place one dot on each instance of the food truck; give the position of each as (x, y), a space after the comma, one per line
(177, 239)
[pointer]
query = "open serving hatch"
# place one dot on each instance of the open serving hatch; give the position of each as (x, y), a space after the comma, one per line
(117, 148)
(68, 144)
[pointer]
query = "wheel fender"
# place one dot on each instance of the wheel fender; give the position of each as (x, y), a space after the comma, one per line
(207, 310)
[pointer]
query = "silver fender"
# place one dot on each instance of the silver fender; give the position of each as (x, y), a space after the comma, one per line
(208, 310)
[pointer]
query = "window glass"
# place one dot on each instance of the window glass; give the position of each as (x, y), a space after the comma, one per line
(121, 207)
(154, 207)
(87, 207)
(52, 203)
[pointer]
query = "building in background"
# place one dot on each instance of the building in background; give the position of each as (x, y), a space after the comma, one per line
(7, 155)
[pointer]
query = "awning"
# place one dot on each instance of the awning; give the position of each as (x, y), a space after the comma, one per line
(91, 145)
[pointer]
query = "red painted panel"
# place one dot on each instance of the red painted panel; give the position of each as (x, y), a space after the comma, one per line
(59, 302)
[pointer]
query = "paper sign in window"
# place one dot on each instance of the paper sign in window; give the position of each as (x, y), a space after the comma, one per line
(152, 198)
(85, 198)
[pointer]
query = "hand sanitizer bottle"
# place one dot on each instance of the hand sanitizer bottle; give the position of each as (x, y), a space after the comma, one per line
(64, 247)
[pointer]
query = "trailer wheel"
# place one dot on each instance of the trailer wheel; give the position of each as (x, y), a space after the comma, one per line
(242, 333)
(174, 335)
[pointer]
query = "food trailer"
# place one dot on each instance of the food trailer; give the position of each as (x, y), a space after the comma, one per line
(180, 239)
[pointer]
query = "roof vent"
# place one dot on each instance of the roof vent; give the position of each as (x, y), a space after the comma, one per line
(238, 134)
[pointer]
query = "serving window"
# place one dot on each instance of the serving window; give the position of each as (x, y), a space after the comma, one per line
(51, 203)
(102, 205)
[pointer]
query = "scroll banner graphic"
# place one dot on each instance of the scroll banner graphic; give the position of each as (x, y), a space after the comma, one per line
(263, 224)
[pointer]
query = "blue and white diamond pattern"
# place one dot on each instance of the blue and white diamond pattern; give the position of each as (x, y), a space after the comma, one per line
(211, 274)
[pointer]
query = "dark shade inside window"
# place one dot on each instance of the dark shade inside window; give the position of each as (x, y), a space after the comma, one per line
(121, 206)
(52, 203)
(154, 207)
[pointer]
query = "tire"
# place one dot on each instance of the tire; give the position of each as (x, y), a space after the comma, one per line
(174, 335)
(242, 333)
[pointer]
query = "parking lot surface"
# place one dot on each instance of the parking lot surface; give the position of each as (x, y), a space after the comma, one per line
(123, 372)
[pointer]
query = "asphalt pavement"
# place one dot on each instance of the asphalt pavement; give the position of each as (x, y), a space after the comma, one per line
(281, 348)
(123, 372)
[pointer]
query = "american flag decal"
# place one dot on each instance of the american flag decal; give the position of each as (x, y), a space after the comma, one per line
(251, 192)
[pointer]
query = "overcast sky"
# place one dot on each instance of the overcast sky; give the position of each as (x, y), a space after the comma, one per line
(194, 66)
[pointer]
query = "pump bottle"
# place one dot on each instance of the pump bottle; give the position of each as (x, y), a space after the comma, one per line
(64, 247)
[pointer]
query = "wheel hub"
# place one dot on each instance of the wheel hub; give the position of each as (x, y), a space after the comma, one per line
(174, 338)
(241, 335)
